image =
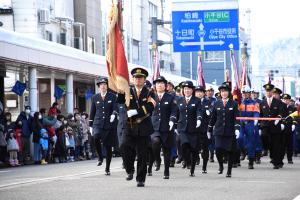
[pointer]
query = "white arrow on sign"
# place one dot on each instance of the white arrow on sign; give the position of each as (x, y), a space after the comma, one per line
(202, 43)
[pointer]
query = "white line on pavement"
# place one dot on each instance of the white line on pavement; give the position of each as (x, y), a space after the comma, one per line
(20, 183)
(271, 182)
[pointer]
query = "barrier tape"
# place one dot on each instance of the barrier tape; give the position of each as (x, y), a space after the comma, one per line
(258, 118)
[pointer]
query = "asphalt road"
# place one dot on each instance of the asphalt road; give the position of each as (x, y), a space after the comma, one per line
(84, 180)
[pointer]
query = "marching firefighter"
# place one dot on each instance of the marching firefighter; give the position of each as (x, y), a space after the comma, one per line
(249, 108)
(225, 128)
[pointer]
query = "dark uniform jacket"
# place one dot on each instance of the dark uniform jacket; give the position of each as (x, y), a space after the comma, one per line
(164, 112)
(223, 120)
(188, 114)
(139, 124)
(275, 110)
(101, 110)
(288, 124)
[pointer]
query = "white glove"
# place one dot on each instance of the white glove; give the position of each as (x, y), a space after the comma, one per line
(255, 122)
(112, 118)
(91, 131)
(259, 132)
(208, 135)
(171, 124)
(276, 122)
(237, 134)
(207, 112)
(293, 127)
(198, 123)
(282, 126)
(132, 112)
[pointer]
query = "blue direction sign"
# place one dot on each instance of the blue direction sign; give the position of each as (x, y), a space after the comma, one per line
(209, 30)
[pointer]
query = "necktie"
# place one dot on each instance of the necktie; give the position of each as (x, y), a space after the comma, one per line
(159, 97)
(269, 102)
(224, 103)
(187, 100)
(138, 93)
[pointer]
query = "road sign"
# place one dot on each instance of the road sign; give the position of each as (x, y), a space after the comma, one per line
(209, 30)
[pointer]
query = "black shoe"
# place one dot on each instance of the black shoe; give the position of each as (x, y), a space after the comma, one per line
(140, 184)
(183, 165)
(188, 167)
(290, 162)
(129, 177)
(204, 171)
(99, 163)
(228, 175)
(258, 162)
(157, 168)
(107, 173)
(211, 160)
(166, 177)
(234, 165)
(149, 173)
(280, 165)
(178, 161)
(172, 164)
(192, 175)
(239, 164)
(250, 166)
(220, 171)
(276, 167)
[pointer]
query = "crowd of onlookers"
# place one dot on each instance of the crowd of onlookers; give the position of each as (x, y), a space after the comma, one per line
(54, 137)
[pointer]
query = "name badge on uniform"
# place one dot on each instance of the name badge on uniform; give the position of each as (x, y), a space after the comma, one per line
(275, 108)
(206, 106)
(230, 108)
(144, 99)
(218, 108)
(180, 104)
(264, 107)
(109, 101)
(166, 102)
(98, 102)
(193, 104)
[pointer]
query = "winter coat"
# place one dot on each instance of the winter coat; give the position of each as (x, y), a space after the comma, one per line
(26, 124)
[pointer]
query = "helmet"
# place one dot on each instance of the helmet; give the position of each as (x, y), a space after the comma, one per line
(246, 89)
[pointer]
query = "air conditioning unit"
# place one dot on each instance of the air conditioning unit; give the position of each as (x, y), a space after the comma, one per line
(162, 64)
(44, 16)
(63, 38)
(78, 43)
(172, 66)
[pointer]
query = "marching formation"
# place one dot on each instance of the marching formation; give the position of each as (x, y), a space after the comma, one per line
(187, 121)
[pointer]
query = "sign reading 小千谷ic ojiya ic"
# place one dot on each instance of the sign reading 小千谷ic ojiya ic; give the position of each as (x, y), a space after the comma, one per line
(208, 30)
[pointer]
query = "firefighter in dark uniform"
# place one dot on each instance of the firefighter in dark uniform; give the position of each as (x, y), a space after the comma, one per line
(189, 108)
(212, 98)
(225, 128)
(277, 94)
(102, 119)
(138, 126)
(178, 95)
(206, 113)
(272, 135)
(290, 126)
(163, 120)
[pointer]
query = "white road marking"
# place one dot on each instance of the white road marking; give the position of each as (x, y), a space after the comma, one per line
(4, 171)
(38, 180)
(271, 182)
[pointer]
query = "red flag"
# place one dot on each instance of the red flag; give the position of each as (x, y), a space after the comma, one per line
(200, 75)
(156, 72)
(236, 92)
(118, 77)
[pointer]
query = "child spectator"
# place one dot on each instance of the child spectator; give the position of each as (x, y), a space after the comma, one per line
(12, 148)
(44, 145)
(3, 144)
(71, 144)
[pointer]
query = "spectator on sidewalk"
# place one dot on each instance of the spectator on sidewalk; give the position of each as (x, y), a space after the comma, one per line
(36, 128)
(24, 121)
(12, 148)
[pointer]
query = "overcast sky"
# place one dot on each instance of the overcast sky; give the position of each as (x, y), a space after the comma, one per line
(273, 19)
